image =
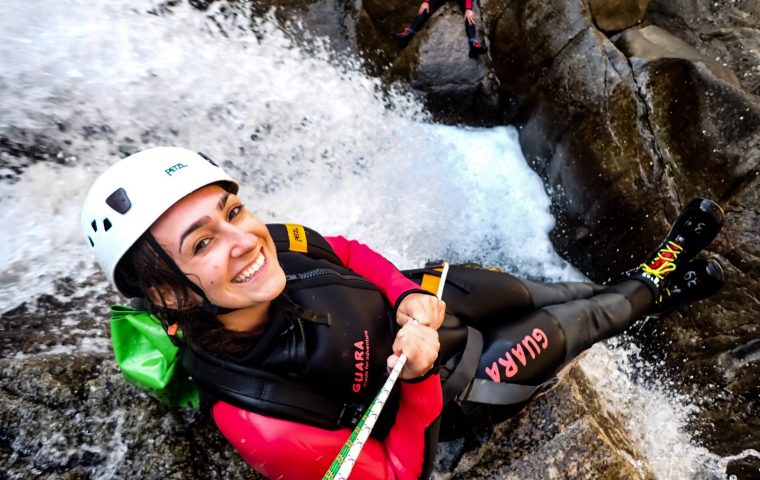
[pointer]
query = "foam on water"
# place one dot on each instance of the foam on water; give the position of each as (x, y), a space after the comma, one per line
(313, 141)
(655, 415)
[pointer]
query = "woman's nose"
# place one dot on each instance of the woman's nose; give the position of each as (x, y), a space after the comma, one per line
(242, 242)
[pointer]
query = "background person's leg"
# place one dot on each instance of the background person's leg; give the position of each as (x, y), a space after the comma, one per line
(418, 21)
(471, 30)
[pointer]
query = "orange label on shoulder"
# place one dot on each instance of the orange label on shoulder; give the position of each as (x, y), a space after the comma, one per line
(430, 282)
(297, 237)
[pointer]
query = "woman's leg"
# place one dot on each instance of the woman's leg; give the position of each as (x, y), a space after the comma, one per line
(533, 348)
(477, 295)
(522, 354)
(482, 299)
(419, 20)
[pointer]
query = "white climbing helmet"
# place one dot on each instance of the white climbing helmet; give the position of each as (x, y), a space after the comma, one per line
(128, 197)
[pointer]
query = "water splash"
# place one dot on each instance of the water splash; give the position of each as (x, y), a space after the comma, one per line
(655, 416)
(312, 140)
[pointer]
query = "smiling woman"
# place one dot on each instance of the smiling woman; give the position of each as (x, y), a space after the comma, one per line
(226, 252)
(290, 341)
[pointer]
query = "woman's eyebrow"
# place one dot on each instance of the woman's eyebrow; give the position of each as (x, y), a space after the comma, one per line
(223, 201)
(203, 220)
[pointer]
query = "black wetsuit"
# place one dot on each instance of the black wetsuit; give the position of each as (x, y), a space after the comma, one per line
(529, 332)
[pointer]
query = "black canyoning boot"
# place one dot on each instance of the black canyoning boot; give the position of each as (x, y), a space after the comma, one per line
(696, 281)
(476, 49)
(404, 36)
(692, 231)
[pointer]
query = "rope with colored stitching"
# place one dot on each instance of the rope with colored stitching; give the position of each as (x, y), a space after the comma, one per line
(344, 462)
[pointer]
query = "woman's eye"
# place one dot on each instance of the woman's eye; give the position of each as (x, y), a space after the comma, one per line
(235, 211)
(201, 245)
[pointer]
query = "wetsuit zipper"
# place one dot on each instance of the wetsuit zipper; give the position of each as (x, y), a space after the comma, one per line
(318, 272)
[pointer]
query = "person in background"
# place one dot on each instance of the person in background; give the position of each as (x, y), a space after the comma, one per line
(428, 7)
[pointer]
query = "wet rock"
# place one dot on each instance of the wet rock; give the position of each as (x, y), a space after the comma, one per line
(712, 347)
(566, 433)
(20, 148)
(653, 43)
(526, 36)
(727, 32)
(702, 125)
(60, 320)
(587, 134)
(745, 467)
(610, 15)
(73, 416)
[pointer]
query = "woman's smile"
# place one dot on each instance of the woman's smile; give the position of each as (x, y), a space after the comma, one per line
(249, 273)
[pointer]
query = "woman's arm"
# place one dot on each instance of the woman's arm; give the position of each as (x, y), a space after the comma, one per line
(290, 450)
(372, 266)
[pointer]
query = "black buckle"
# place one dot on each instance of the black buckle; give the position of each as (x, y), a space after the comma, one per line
(351, 414)
(433, 264)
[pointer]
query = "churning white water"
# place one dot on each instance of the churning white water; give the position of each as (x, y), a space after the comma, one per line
(312, 139)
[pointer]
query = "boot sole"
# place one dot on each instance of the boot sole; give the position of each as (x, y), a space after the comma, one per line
(709, 207)
(710, 213)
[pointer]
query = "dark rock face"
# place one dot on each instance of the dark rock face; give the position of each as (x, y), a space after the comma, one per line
(610, 15)
(73, 416)
(706, 130)
(625, 131)
(728, 32)
(567, 433)
(653, 43)
(586, 132)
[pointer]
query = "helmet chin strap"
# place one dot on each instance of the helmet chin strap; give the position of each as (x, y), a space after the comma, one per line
(169, 261)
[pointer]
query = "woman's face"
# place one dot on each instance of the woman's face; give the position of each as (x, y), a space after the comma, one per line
(222, 248)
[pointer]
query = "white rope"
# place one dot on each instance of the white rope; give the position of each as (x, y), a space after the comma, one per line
(350, 451)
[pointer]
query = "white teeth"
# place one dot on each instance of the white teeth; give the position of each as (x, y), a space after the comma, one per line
(250, 271)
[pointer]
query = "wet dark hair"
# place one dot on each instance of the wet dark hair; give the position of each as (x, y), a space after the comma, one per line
(142, 269)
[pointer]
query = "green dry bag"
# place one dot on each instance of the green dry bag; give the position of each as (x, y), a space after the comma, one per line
(149, 359)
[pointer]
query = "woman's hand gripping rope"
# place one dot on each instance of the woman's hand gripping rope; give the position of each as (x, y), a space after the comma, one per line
(415, 342)
(419, 344)
(426, 309)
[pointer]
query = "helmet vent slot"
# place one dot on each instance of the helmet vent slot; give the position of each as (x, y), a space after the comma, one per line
(119, 201)
(94, 226)
(208, 159)
(107, 224)
(92, 244)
